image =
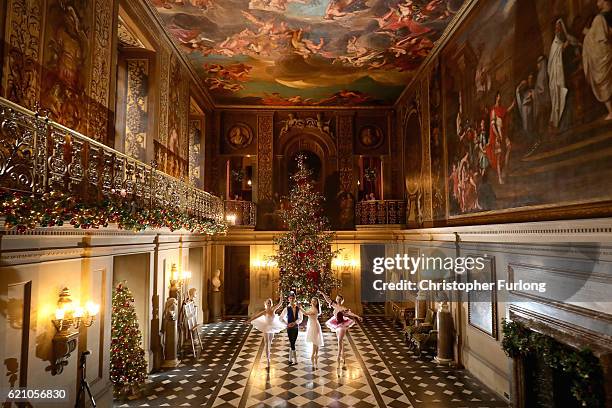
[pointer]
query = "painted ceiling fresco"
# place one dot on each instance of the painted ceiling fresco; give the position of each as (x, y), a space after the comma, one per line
(306, 52)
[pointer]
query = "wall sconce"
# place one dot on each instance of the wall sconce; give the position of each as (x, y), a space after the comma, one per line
(344, 265)
(264, 266)
(68, 319)
(180, 276)
(249, 182)
(231, 219)
(179, 280)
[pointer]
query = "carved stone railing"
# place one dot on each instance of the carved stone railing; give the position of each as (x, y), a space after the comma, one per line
(380, 212)
(39, 156)
(238, 212)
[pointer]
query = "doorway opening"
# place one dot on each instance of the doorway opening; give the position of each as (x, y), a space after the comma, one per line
(237, 280)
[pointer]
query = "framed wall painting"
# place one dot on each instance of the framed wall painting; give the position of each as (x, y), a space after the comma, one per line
(527, 130)
(482, 305)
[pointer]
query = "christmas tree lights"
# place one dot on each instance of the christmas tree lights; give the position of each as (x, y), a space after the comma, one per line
(304, 253)
(128, 367)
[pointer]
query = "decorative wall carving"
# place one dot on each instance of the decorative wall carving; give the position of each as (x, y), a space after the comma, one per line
(345, 152)
(436, 142)
(426, 165)
(101, 70)
(22, 58)
(126, 38)
(164, 69)
(264, 156)
(195, 152)
(311, 122)
(184, 113)
(397, 187)
(136, 108)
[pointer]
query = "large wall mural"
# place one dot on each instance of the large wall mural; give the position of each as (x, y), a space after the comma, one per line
(519, 104)
(306, 52)
(526, 90)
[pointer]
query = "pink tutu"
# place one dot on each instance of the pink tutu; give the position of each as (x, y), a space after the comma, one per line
(334, 324)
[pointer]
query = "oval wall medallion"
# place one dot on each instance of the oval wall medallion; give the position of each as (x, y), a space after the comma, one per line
(239, 136)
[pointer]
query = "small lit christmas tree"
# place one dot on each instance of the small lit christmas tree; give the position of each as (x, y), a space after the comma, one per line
(128, 367)
(304, 253)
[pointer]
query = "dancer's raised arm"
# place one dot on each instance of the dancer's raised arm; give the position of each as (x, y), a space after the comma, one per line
(327, 298)
(279, 304)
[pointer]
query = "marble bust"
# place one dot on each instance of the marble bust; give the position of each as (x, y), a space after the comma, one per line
(216, 280)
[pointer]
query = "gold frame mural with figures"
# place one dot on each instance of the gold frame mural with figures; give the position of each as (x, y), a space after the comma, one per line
(527, 111)
(482, 305)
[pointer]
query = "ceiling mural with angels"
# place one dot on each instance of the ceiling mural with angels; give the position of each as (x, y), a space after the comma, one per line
(306, 52)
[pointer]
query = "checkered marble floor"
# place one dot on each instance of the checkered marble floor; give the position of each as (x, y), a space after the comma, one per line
(360, 384)
(195, 382)
(424, 382)
(380, 372)
(374, 308)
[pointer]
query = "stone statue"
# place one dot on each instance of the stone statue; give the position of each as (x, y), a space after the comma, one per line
(216, 281)
(170, 329)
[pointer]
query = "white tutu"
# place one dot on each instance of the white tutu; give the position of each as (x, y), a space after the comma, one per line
(314, 334)
(268, 324)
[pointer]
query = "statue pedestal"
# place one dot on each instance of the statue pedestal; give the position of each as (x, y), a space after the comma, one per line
(170, 363)
(445, 335)
(216, 306)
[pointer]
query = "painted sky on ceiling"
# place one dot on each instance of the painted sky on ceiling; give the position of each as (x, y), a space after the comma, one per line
(306, 52)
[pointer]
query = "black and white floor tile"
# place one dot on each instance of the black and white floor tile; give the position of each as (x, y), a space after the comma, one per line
(380, 372)
(374, 308)
(194, 381)
(426, 383)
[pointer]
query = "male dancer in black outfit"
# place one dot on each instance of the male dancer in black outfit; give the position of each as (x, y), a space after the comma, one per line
(292, 316)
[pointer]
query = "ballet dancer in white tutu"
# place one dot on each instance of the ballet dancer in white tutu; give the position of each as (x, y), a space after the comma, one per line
(340, 323)
(314, 334)
(268, 323)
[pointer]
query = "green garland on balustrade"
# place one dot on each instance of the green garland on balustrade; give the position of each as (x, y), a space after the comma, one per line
(582, 366)
(27, 211)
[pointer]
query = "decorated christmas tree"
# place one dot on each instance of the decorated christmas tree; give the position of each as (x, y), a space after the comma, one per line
(304, 253)
(128, 367)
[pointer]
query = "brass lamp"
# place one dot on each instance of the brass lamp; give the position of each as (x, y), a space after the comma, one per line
(68, 319)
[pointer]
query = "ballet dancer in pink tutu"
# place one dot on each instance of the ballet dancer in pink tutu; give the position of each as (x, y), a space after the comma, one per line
(340, 323)
(314, 333)
(268, 323)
